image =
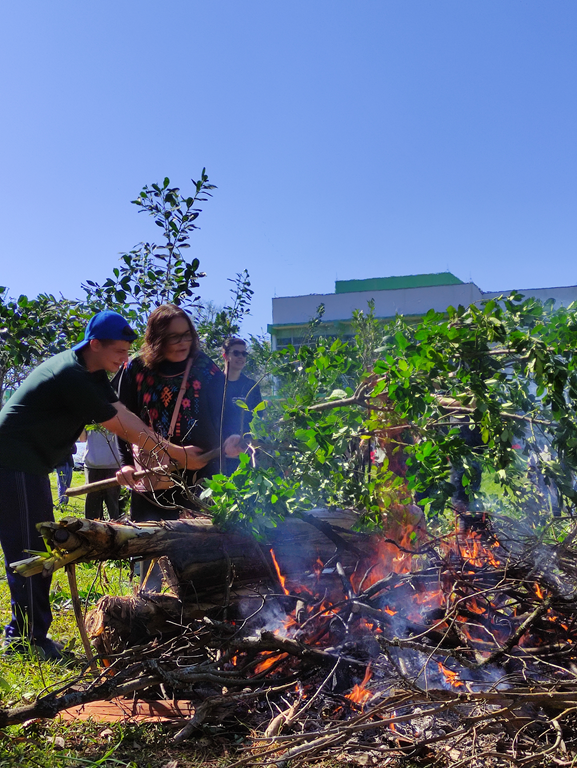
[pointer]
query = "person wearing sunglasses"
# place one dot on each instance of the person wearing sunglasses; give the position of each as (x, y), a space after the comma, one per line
(239, 388)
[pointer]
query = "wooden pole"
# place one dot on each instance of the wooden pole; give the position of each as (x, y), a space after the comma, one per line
(71, 571)
(101, 485)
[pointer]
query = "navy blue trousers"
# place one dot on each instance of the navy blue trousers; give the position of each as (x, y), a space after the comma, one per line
(25, 500)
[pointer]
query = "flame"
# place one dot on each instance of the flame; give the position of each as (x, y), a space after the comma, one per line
(451, 677)
(474, 552)
(539, 592)
(318, 568)
(359, 693)
(281, 578)
(390, 611)
(271, 657)
(474, 606)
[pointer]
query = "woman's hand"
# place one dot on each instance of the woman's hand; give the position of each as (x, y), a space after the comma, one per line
(125, 476)
(194, 457)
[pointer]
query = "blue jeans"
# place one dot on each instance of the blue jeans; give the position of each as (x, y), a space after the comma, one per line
(64, 481)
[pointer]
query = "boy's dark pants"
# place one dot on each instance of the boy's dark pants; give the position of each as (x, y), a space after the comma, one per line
(25, 500)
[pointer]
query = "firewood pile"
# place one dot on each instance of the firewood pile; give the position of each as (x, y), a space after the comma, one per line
(457, 651)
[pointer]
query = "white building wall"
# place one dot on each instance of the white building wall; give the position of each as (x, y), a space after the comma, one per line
(297, 310)
(405, 301)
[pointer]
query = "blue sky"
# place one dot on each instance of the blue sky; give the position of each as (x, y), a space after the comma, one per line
(348, 139)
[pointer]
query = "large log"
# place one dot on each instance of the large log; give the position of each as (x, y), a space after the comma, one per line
(198, 550)
(211, 572)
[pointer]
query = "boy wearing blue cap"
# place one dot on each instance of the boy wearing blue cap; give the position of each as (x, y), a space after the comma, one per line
(38, 428)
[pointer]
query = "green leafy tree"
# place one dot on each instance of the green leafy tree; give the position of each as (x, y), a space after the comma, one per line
(31, 330)
(375, 436)
(152, 274)
(215, 324)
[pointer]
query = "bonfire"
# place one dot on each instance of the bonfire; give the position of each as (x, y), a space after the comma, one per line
(382, 648)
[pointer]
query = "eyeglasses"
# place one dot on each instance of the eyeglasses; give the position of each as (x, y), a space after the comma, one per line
(238, 353)
(175, 338)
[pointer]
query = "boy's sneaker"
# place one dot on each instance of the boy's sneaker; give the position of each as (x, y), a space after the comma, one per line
(47, 650)
(15, 646)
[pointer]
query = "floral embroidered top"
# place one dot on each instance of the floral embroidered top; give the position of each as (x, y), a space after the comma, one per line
(152, 393)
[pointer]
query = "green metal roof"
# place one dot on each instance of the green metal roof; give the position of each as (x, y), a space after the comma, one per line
(395, 283)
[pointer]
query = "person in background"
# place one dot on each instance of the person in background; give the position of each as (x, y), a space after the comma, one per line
(38, 428)
(101, 462)
(239, 388)
(64, 478)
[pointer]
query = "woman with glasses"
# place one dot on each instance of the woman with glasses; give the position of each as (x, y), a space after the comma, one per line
(178, 390)
(239, 388)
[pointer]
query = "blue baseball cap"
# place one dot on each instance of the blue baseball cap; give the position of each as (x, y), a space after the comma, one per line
(107, 325)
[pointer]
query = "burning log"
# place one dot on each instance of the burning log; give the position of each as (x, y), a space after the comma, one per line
(210, 570)
(195, 546)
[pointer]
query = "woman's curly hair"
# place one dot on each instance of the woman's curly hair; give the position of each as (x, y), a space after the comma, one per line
(153, 349)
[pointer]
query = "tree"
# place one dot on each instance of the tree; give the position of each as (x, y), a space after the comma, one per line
(31, 330)
(149, 275)
(374, 438)
(215, 324)
(152, 274)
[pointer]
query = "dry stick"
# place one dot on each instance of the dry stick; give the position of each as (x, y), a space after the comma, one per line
(519, 632)
(335, 735)
(71, 571)
(110, 482)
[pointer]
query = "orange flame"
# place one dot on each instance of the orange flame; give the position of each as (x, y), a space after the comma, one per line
(271, 657)
(474, 552)
(359, 693)
(281, 578)
(451, 677)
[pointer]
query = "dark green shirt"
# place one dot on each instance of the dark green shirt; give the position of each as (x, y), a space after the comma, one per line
(44, 417)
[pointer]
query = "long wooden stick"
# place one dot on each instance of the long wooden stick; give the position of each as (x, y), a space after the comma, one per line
(111, 482)
(71, 571)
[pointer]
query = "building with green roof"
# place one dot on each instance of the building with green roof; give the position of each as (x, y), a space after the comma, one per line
(409, 295)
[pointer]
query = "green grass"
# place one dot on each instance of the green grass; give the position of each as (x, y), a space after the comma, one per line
(87, 744)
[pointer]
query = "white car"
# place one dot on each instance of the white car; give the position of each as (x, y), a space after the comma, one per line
(78, 455)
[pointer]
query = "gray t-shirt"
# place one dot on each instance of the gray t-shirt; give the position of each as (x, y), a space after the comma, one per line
(101, 450)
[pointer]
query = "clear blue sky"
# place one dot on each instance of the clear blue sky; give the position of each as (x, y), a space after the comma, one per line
(347, 138)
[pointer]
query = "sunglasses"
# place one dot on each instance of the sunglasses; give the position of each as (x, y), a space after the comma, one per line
(238, 353)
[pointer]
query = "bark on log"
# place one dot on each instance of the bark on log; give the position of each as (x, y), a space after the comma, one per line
(198, 549)
(211, 569)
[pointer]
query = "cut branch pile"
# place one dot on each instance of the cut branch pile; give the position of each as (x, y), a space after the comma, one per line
(463, 651)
